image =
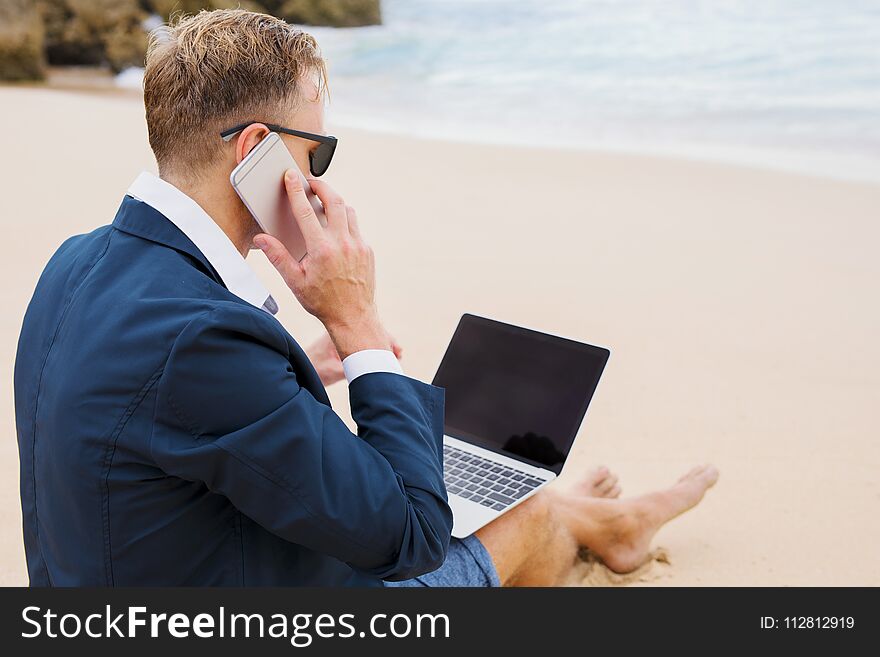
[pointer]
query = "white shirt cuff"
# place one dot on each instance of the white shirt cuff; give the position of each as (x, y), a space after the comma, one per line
(367, 361)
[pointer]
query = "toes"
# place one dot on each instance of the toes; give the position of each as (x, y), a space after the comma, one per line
(693, 472)
(604, 489)
(711, 473)
(599, 482)
(599, 475)
(706, 470)
(707, 473)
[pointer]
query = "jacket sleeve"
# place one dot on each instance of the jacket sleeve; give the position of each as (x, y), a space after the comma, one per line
(231, 414)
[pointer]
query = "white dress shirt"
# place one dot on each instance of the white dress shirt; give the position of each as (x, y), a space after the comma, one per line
(225, 258)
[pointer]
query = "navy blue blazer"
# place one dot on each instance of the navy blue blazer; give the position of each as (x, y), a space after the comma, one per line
(172, 434)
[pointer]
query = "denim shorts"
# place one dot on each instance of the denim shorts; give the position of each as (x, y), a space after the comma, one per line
(467, 564)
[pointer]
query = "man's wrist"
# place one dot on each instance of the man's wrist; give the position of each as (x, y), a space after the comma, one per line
(364, 332)
(368, 361)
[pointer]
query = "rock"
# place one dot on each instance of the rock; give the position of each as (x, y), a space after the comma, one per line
(21, 41)
(168, 8)
(111, 32)
(95, 32)
(335, 13)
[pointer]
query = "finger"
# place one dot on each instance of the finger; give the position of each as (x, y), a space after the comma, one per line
(353, 227)
(615, 492)
(303, 211)
(334, 204)
(291, 271)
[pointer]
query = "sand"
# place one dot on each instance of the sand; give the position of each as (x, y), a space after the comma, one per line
(740, 306)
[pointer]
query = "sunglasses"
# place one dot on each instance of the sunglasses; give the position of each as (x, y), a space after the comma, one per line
(319, 159)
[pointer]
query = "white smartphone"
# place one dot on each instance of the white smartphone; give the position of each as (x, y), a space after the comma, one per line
(259, 182)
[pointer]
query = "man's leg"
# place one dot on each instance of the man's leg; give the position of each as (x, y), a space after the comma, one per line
(468, 563)
(536, 543)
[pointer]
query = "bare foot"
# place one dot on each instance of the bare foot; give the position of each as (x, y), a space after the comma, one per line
(620, 531)
(599, 482)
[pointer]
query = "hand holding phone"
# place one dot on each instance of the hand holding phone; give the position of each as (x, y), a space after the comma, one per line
(336, 282)
(259, 182)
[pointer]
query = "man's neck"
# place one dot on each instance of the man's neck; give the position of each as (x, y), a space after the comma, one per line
(221, 204)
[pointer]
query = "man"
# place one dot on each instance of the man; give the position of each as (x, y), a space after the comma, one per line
(171, 432)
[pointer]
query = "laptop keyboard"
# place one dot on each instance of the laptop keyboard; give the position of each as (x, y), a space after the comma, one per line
(483, 481)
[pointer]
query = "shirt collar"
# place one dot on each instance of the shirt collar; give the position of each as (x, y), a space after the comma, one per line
(208, 237)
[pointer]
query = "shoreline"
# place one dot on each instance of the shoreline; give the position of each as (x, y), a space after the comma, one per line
(834, 166)
(843, 167)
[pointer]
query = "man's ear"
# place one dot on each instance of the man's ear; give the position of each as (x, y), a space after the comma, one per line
(248, 138)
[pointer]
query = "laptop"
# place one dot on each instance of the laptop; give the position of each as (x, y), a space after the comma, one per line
(515, 400)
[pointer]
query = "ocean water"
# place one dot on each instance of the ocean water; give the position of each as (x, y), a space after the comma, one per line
(792, 84)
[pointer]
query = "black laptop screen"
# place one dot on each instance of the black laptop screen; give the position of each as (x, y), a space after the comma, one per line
(517, 391)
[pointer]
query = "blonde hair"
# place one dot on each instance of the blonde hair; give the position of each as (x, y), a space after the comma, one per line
(216, 69)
